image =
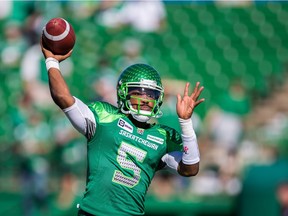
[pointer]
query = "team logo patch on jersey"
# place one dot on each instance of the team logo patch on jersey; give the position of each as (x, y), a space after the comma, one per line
(140, 131)
(125, 125)
(155, 139)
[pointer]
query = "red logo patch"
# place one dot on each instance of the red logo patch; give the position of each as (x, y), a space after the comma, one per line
(185, 149)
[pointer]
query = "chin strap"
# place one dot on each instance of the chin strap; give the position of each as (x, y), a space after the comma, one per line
(140, 118)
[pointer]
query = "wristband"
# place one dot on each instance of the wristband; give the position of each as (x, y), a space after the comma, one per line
(52, 63)
(191, 153)
(186, 127)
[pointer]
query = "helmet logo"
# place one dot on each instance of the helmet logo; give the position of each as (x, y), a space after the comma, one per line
(148, 82)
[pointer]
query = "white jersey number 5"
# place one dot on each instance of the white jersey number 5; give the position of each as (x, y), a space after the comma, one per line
(125, 151)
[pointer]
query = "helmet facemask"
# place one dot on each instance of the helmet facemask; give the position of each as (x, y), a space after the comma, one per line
(152, 93)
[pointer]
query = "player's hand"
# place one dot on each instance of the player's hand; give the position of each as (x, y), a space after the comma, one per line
(48, 53)
(186, 104)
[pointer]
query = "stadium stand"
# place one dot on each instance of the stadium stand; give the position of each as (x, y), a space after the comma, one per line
(207, 42)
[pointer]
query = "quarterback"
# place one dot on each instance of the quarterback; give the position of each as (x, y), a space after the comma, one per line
(124, 150)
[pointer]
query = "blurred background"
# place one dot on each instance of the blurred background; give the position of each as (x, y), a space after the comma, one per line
(238, 50)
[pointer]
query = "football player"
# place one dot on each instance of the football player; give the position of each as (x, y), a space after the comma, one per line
(124, 150)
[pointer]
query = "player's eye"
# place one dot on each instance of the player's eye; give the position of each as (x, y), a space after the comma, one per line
(135, 93)
(149, 93)
(150, 96)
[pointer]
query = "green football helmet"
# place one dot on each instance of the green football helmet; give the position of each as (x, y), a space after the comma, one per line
(147, 80)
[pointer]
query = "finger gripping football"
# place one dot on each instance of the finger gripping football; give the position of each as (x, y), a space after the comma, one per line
(58, 36)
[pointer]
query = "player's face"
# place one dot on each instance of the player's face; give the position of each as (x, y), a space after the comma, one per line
(143, 97)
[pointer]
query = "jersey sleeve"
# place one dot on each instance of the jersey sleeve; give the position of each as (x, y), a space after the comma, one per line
(103, 111)
(173, 139)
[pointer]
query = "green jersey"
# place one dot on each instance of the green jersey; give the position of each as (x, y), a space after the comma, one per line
(122, 161)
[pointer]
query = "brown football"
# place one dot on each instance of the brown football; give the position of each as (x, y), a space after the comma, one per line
(58, 36)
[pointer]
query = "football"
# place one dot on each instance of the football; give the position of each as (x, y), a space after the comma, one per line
(58, 36)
